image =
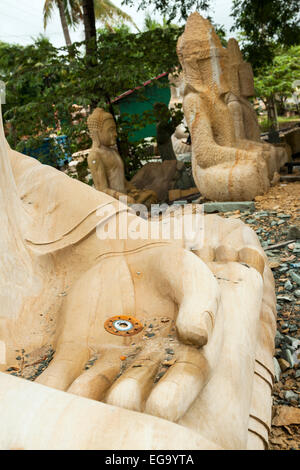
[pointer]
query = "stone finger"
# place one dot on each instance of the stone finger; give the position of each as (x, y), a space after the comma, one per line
(132, 388)
(177, 390)
(94, 382)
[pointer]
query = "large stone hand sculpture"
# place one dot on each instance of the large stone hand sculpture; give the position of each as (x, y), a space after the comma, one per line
(207, 320)
(62, 283)
(223, 169)
(105, 163)
(244, 116)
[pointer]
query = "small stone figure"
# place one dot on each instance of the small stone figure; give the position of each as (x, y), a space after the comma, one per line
(105, 163)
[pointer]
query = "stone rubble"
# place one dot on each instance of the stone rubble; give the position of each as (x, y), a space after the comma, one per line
(276, 219)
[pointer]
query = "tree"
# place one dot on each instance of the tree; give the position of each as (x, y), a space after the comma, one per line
(72, 12)
(264, 25)
(103, 10)
(69, 12)
(172, 8)
(276, 79)
(89, 21)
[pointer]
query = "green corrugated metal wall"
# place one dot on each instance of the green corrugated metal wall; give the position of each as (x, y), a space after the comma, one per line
(137, 104)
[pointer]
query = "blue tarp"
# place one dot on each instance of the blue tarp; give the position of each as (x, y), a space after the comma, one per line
(43, 152)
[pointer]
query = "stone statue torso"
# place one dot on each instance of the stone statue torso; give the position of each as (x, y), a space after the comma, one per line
(252, 130)
(222, 125)
(246, 118)
(216, 110)
(114, 167)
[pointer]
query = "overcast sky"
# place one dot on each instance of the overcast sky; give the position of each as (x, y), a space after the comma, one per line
(22, 20)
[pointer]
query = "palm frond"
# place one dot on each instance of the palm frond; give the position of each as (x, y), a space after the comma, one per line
(149, 23)
(76, 11)
(72, 10)
(48, 10)
(106, 10)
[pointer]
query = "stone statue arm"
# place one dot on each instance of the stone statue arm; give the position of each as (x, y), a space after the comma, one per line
(263, 150)
(245, 143)
(237, 115)
(129, 186)
(207, 151)
(98, 172)
(140, 196)
(117, 195)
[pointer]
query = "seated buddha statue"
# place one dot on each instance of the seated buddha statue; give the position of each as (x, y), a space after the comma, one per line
(224, 168)
(106, 164)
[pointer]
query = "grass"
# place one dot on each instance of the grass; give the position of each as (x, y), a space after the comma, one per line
(265, 123)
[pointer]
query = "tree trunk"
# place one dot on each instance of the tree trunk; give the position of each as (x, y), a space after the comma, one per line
(64, 22)
(272, 112)
(281, 106)
(89, 26)
(89, 21)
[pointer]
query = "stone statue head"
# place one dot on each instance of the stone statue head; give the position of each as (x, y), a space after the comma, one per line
(246, 80)
(235, 59)
(202, 56)
(240, 72)
(102, 128)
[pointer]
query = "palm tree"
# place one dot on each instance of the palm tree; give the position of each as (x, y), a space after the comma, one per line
(69, 11)
(71, 14)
